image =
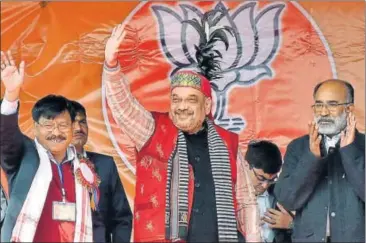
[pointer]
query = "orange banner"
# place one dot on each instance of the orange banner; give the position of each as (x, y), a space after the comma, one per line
(278, 52)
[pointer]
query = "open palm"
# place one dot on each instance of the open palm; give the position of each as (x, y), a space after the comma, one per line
(112, 45)
(11, 75)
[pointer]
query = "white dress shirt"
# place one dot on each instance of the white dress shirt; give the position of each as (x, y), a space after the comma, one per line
(263, 202)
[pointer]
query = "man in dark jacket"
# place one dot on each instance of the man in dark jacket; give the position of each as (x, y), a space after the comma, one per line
(113, 203)
(49, 186)
(323, 176)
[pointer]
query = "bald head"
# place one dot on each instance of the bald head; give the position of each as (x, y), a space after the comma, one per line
(339, 89)
(333, 100)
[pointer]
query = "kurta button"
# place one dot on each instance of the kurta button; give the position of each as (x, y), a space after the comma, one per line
(195, 210)
(326, 208)
(333, 214)
(197, 158)
(197, 184)
(323, 239)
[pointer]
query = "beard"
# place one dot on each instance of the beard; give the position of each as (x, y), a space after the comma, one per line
(331, 126)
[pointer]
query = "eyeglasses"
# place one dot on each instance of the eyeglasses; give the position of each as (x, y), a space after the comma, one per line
(331, 106)
(263, 179)
(63, 127)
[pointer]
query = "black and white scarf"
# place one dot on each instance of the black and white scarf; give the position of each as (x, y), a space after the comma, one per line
(176, 212)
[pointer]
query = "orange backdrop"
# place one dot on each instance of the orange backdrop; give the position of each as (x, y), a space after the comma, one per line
(63, 43)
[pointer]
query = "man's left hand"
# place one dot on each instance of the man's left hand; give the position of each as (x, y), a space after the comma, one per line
(278, 219)
(348, 135)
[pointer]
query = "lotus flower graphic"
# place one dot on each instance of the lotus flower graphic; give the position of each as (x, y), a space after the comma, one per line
(253, 44)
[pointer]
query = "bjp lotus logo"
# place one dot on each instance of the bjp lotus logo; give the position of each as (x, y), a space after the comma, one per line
(252, 46)
(273, 54)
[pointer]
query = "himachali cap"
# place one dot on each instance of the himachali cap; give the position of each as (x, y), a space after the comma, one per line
(191, 79)
(207, 56)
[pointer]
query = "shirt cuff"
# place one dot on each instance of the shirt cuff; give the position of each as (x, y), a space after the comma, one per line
(112, 69)
(9, 107)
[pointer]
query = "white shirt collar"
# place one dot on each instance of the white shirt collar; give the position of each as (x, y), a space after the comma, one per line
(331, 141)
(264, 194)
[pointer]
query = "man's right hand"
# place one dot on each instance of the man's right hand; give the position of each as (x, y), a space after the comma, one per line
(277, 219)
(11, 76)
(112, 46)
(314, 139)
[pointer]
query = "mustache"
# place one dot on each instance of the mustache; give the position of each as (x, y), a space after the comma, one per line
(54, 137)
(183, 112)
(325, 119)
(79, 133)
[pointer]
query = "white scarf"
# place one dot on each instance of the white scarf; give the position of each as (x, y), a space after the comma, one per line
(28, 218)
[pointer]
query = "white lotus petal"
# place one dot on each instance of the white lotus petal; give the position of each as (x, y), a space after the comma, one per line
(244, 21)
(226, 79)
(230, 55)
(191, 36)
(170, 28)
(268, 24)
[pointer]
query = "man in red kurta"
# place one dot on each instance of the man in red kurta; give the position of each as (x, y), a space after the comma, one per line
(186, 168)
(48, 200)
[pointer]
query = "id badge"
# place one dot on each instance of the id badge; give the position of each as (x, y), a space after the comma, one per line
(64, 211)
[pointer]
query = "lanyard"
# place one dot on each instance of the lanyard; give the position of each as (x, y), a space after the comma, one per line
(59, 168)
